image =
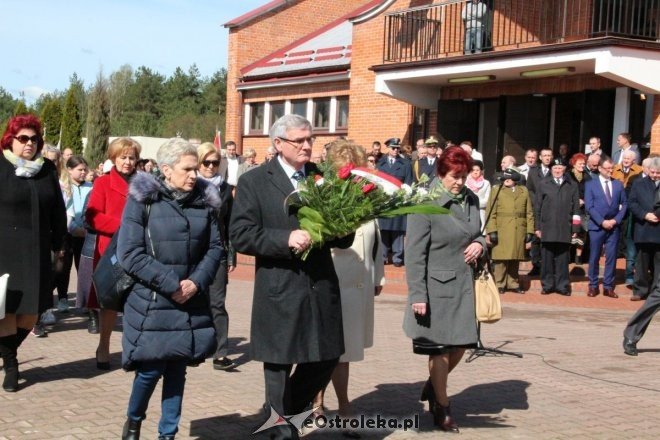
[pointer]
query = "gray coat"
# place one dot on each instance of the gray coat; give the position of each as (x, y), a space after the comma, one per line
(438, 275)
(296, 311)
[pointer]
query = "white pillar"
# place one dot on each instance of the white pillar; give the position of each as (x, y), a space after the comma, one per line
(621, 114)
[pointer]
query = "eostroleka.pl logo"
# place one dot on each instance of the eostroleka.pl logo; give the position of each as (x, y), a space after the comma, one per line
(303, 421)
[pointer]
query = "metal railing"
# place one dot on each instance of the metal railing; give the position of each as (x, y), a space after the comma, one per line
(461, 27)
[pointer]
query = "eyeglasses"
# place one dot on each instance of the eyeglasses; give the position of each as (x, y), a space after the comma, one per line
(23, 139)
(210, 163)
(298, 143)
(395, 148)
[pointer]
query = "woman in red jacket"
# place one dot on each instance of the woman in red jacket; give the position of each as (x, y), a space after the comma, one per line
(104, 210)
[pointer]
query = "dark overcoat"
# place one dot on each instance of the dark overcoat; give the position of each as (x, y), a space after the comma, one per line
(296, 310)
(186, 245)
(512, 217)
(402, 171)
(641, 202)
(554, 209)
(438, 275)
(32, 224)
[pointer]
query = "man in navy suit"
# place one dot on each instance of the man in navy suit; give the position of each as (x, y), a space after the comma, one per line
(393, 230)
(605, 201)
(426, 165)
(645, 206)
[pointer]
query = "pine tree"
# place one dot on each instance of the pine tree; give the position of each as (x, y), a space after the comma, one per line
(98, 122)
(71, 125)
(51, 120)
(21, 108)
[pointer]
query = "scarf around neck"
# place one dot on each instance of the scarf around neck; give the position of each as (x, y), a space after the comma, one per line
(456, 198)
(23, 167)
(179, 196)
(474, 185)
(215, 180)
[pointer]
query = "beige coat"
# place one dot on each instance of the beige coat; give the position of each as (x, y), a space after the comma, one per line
(358, 275)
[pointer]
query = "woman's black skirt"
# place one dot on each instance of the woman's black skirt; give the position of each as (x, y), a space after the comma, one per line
(430, 348)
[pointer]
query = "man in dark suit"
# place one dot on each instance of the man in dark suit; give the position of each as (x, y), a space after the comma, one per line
(393, 230)
(557, 221)
(534, 178)
(623, 142)
(296, 311)
(645, 206)
(646, 230)
(605, 202)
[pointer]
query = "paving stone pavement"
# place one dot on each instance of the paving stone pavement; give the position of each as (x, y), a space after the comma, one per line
(573, 381)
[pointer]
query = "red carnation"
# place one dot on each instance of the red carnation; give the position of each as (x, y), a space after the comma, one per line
(317, 177)
(345, 171)
(366, 189)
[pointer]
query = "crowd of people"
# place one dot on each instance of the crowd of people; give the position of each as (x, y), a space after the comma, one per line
(178, 223)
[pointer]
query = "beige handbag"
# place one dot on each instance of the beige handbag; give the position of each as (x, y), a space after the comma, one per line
(487, 298)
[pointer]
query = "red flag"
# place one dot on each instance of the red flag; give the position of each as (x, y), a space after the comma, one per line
(217, 141)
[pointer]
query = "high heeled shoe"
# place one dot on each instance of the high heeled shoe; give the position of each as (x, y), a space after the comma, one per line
(428, 393)
(442, 418)
(131, 430)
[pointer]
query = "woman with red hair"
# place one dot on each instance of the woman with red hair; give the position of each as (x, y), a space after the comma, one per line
(441, 254)
(577, 174)
(32, 224)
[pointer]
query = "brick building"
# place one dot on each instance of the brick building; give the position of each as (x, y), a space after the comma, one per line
(538, 73)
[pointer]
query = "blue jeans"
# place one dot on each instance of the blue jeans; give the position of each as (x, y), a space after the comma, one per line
(473, 39)
(146, 377)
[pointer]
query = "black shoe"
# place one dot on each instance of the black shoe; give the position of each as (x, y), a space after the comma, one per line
(534, 272)
(131, 430)
(223, 364)
(519, 290)
(93, 324)
(10, 363)
(564, 292)
(546, 292)
(39, 331)
(397, 264)
(501, 290)
(630, 347)
(101, 365)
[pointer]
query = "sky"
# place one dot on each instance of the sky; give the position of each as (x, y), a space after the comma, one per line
(44, 42)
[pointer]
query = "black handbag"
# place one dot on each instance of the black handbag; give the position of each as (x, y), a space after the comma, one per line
(111, 282)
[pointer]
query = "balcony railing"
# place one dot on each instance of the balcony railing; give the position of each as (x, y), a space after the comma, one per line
(461, 27)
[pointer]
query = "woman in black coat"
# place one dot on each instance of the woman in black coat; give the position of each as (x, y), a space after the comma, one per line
(32, 224)
(580, 177)
(169, 241)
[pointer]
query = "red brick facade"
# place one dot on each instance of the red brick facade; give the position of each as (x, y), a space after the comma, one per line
(373, 116)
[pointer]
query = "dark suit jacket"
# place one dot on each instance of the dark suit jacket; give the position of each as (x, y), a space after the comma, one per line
(617, 154)
(402, 170)
(423, 167)
(642, 201)
(224, 165)
(554, 210)
(534, 178)
(597, 206)
(296, 311)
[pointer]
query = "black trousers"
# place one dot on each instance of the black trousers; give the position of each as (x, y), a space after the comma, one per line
(645, 268)
(289, 394)
(642, 318)
(554, 266)
(61, 278)
(217, 297)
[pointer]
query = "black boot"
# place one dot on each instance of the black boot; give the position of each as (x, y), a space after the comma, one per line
(21, 335)
(8, 352)
(428, 393)
(442, 418)
(131, 430)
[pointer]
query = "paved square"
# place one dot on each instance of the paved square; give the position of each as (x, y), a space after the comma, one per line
(573, 382)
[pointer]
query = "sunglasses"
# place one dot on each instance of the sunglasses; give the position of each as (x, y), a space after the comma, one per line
(395, 148)
(24, 139)
(210, 163)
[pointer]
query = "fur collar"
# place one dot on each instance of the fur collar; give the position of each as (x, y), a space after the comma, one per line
(146, 188)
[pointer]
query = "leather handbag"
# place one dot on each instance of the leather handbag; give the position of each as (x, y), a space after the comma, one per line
(111, 282)
(487, 298)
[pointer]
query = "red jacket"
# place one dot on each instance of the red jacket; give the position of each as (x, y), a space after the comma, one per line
(105, 207)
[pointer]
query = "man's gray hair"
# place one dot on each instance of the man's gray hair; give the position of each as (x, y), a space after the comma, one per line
(655, 163)
(629, 152)
(271, 150)
(286, 123)
(647, 162)
(171, 152)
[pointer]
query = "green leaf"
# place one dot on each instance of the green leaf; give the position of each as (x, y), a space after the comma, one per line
(415, 209)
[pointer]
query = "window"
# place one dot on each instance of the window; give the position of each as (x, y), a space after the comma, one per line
(276, 111)
(321, 114)
(299, 107)
(257, 117)
(342, 113)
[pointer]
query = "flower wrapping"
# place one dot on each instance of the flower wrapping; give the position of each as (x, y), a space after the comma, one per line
(342, 200)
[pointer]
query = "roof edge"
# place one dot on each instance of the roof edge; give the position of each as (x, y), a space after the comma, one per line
(256, 13)
(337, 22)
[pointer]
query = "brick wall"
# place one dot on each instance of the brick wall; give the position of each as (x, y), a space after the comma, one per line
(270, 32)
(655, 128)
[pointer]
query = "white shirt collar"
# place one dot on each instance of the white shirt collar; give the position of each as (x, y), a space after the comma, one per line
(289, 170)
